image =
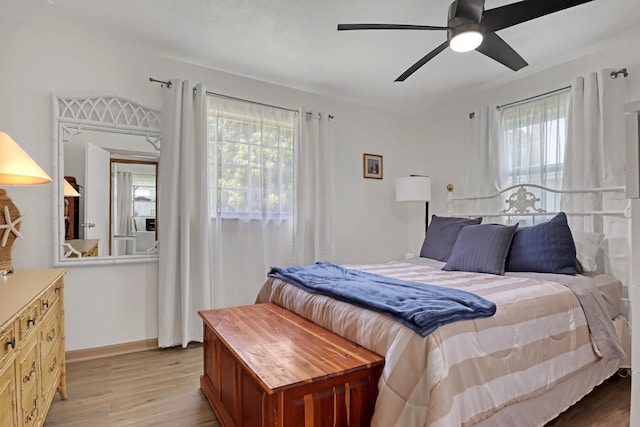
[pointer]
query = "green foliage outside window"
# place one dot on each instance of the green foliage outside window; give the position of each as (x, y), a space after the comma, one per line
(251, 166)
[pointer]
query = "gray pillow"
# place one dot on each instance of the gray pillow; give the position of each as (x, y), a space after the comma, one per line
(481, 249)
(442, 234)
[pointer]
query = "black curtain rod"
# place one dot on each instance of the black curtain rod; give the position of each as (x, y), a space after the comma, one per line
(551, 92)
(168, 85)
(613, 75)
(248, 100)
(162, 82)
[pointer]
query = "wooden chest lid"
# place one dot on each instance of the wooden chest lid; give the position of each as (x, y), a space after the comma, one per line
(282, 349)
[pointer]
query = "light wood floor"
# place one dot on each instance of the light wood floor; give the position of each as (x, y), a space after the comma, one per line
(162, 388)
(150, 388)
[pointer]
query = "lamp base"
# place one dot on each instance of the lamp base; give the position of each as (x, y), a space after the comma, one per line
(9, 226)
(6, 269)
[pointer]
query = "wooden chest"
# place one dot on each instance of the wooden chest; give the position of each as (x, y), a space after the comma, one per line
(266, 366)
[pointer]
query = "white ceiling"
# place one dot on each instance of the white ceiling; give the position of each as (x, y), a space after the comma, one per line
(295, 43)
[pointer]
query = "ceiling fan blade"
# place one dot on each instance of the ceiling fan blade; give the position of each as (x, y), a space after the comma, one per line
(347, 27)
(428, 57)
(496, 48)
(522, 11)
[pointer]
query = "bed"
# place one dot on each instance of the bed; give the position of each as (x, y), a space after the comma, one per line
(553, 338)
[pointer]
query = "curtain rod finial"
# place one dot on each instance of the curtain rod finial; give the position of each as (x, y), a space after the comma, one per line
(623, 71)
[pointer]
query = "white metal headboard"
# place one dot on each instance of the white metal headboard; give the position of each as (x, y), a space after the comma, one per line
(521, 202)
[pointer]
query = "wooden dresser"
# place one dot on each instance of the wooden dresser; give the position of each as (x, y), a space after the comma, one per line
(266, 366)
(32, 357)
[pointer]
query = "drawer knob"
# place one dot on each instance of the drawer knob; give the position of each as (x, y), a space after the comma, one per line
(10, 343)
(45, 304)
(31, 321)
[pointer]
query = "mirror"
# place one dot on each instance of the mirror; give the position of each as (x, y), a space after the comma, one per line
(106, 162)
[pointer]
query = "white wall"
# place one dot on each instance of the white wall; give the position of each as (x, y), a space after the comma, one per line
(115, 304)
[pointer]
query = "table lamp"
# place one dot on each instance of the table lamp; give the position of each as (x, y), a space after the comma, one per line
(16, 168)
(415, 188)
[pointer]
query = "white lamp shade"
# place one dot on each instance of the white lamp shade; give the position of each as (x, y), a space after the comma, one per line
(413, 189)
(69, 191)
(16, 166)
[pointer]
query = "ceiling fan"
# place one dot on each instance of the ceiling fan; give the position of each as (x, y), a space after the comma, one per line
(471, 27)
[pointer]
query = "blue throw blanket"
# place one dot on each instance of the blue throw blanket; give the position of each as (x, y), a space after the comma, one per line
(418, 306)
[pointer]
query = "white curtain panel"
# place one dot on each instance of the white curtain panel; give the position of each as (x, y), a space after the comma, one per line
(124, 200)
(313, 227)
(248, 237)
(532, 145)
(483, 175)
(594, 158)
(185, 275)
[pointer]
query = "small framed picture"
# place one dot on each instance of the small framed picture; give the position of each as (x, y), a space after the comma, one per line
(372, 166)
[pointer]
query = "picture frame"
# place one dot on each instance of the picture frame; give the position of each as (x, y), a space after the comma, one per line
(372, 166)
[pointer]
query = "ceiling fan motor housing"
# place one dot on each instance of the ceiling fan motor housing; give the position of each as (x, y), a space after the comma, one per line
(465, 17)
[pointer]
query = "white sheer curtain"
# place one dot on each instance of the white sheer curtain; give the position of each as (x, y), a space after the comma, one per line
(483, 176)
(242, 187)
(183, 221)
(313, 229)
(124, 200)
(532, 138)
(251, 170)
(595, 158)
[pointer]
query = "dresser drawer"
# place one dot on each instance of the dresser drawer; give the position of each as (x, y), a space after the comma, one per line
(8, 415)
(30, 405)
(50, 331)
(28, 320)
(50, 372)
(8, 341)
(28, 379)
(48, 300)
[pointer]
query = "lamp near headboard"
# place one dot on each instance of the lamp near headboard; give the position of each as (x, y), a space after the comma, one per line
(415, 188)
(16, 168)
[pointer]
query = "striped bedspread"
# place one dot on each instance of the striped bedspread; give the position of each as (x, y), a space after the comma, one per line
(463, 372)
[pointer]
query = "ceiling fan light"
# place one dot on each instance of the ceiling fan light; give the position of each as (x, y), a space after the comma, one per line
(466, 41)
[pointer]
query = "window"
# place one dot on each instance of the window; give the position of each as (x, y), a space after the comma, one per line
(250, 159)
(531, 140)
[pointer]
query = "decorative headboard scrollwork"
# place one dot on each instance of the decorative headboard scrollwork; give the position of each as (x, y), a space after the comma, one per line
(522, 201)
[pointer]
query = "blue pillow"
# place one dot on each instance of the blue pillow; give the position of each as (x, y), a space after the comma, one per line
(481, 248)
(442, 235)
(544, 248)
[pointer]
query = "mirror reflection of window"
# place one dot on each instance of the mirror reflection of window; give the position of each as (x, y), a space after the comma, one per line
(134, 206)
